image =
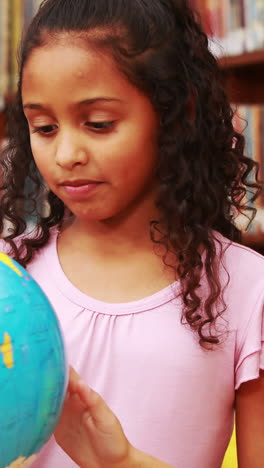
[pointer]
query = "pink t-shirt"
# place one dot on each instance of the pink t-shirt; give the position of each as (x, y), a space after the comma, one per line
(174, 400)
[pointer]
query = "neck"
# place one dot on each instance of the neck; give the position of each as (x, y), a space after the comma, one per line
(119, 235)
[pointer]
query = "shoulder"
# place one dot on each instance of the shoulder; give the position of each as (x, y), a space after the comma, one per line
(239, 259)
(241, 275)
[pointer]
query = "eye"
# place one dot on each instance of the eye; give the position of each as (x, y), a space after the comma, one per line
(100, 126)
(45, 129)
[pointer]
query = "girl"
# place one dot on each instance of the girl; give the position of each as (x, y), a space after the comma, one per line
(122, 131)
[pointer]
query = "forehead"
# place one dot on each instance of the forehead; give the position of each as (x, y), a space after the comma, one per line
(69, 63)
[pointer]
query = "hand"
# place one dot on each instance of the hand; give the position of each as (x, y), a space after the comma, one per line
(88, 431)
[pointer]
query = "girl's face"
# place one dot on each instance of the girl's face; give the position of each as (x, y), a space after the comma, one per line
(93, 134)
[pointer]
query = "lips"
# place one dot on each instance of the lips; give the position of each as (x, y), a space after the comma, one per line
(78, 183)
(80, 189)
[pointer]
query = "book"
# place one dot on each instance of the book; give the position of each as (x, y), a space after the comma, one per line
(249, 120)
(4, 51)
(14, 16)
(234, 26)
(16, 26)
(254, 24)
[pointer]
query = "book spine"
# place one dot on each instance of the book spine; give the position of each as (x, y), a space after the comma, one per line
(17, 21)
(257, 138)
(4, 51)
(254, 24)
(249, 121)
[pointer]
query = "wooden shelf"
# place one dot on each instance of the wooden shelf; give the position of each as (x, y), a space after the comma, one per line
(251, 59)
(243, 77)
(254, 241)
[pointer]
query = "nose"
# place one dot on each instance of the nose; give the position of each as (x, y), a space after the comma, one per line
(70, 150)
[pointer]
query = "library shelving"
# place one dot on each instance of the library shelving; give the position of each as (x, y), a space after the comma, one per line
(236, 33)
(244, 77)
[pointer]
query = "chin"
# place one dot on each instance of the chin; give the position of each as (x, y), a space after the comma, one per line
(93, 215)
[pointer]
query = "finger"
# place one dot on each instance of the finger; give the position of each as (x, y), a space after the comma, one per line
(96, 406)
(74, 378)
(84, 393)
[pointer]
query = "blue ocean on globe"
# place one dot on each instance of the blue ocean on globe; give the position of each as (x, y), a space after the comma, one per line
(33, 367)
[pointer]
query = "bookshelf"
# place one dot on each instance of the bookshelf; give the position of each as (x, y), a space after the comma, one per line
(244, 77)
(245, 60)
(236, 33)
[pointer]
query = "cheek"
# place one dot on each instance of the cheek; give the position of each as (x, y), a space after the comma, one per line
(129, 156)
(133, 169)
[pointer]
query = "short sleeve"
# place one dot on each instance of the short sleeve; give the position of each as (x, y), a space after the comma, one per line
(250, 354)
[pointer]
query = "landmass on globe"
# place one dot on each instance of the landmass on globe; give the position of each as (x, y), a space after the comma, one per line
(6, 348)
(22, 462)
(8, 261)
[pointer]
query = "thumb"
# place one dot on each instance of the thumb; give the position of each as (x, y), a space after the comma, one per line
(97, 409)
(74, 378)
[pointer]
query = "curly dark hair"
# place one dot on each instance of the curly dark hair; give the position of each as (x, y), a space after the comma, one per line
(204, 175)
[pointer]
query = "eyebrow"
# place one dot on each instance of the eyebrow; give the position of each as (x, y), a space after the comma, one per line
(81, 103)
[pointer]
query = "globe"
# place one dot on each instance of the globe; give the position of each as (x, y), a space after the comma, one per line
(33, 367)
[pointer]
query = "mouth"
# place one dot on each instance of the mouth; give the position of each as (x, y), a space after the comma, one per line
(79, 183)
(79, 190)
